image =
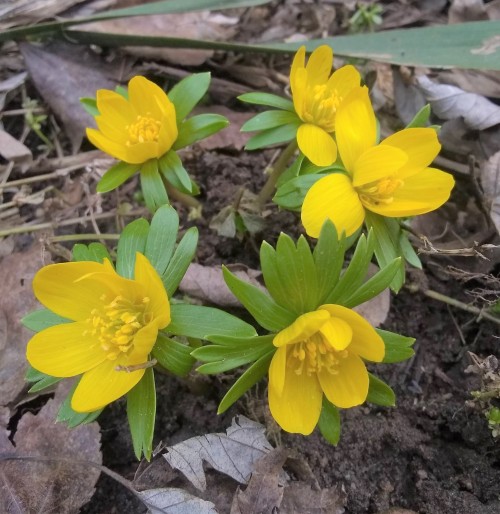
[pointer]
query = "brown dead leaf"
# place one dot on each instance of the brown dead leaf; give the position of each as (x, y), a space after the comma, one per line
(467, 10)
(376, 310)
(13, 150)
(490, 181)
(482, 82)
(408, 98)
(300, 498)
(60, 483)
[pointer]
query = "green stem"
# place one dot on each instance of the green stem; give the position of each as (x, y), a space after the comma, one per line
(276, 171)
(187, 200)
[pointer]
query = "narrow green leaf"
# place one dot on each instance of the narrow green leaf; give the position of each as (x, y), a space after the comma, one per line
(291, 194)
(329, 422)
(180, 261)
(172, 169)
(188, 92)
(261, 306)
(292, 172)
(267, 99)
(199, 321)
(40, 380)
(90, 106)
(398, 348)
(380, 393)
(172, 355)
(199, 127)
(132, 240)
(72, 418)
(116, 176)
(250, 377)
(219, 359)
(162, 236)
(242, 342)
(409, 254)
(141, 413)
(274, 136)
(421, 119)
(42, 319)
(81, 253)
(268, 120)
(153, 188)
(98, 252)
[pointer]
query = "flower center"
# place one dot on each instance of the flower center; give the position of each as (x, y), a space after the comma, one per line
(320, 107)
(144, 129)
(380, 192)
(314, 354)
(116, 323)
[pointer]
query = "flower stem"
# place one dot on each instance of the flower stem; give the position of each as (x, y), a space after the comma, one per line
(188, 201)
(276, 172)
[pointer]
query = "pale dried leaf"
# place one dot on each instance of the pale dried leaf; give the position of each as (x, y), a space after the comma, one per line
(467, 10)
(408, 99)
(490, 181)
(482, 82)
(233, 453)
(13, 150)
(172, 500)
(300, 498)
(376, 310)
(10, 84)
(450, 102)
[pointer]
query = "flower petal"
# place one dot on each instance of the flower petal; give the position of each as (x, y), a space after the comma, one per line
(299, 90)
(344, 80)
(277, 370)
(298, 63)
(99, 140)
(420, 144)
(423, 192)
(333, 198)
(376, 163)
(316, 144)
(302, 328)
(143, 343)
(112, 131)
(64, 351)
(349, 387)
(142, 152)
(338, 333)
(168, 132)
(148, 98)
(365, 341)
(319, 66)
(103, 385)
(355, 126)
(298, 408)
(115, 108)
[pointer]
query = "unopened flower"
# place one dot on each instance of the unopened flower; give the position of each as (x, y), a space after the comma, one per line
(392, 178)
(320, 353)
(316, 97)
(114, 326)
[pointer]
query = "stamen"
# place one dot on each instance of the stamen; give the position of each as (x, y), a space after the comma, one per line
(145, 129)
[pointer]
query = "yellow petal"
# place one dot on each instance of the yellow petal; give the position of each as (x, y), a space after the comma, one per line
(316, 144)
(344, 80)
(277, 370)
(148, 98)
(302, 328)
(146, 275)
(112, 131)
(298, 62)
(168, 133)
(338, 333)
(64, 351)
(319, 66)
(420, 144)
(99, 140)
(103, 385)
(349, 387)
(365, 341)
(143, 343)
(299, 90)
(355, 126)
(333, 198)
(142, 152)
(423, 192)
(376, 163)
(115, 107)
(298, 408)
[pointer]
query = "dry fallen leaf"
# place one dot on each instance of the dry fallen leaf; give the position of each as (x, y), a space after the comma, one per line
(300, 498)
(172, 500)
(13, 150)
(10, 84)
(490, 181)
(376, 310)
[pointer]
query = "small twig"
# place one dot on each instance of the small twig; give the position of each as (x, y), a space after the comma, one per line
(82, 237)
(38, 178)
(25, 200)
(461, 252)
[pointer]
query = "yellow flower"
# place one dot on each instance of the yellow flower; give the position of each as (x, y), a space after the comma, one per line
(320, 353)
(138, 129)
(316, 98)
(115, 325)
(391, 179)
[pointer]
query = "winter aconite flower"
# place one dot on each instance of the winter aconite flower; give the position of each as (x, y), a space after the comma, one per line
(317, 96)
(391, 179)
(136, 129)
(114, 325)
(321, 353)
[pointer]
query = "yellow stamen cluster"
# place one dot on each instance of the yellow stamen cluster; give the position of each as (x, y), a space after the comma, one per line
(313, 355)
(144, 129)
(320, 107)
(116, 323)
(381, 192)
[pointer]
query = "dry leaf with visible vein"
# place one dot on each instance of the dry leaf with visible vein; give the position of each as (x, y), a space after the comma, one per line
(490, 180)
(172, 500)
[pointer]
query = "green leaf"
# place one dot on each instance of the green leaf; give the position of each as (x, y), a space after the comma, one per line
(329, 422)
(172, 355)
(261, 306)
(421, 119)
(153, 188)
(380, 393)
(98, 252)
(161, 238)
(274, 136)
(188, 92)
(72, 418)
(116, 176)
(375, 285)
(408, 251)
(268, 120)
(250, 377)
(219, 359)
(172, 169)
(242, 342)
(292, 172)
(42, 319)
(199, 321)
(291, 194)
(180, 261)
(267, 99)
(90, 106)
(199, 127)
(80, 252)
(141, 413)
(132, 240)
(398, 348)
(41, 380)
